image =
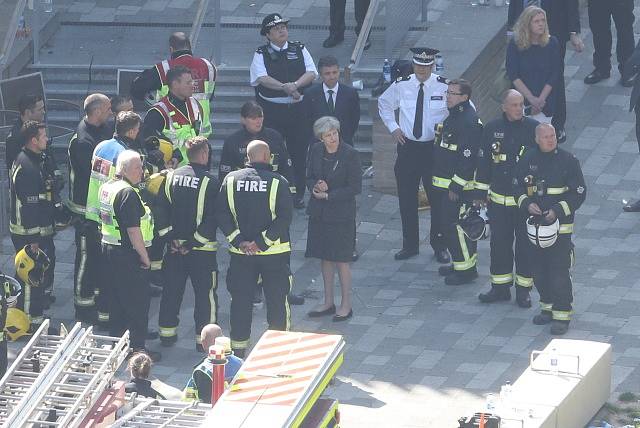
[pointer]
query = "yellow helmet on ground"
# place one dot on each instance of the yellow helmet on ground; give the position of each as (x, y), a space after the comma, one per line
(11, 289)
(17, 324)
(31, 265)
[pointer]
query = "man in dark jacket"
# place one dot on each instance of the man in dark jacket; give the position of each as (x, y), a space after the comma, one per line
(332, 98)
(563, 19)
(254, 212)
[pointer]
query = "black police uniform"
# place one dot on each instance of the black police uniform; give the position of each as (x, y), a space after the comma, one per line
(289, 119)
(504, 142)
(555, 182)
(89, 262)
(255, 204)
(32, 221)
(454, 163)
(234, 152)
(600, 14)
(129, 296)
(185, 212)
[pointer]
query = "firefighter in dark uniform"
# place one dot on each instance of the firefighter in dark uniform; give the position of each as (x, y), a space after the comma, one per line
(254, 212)
(91, 130)
(234, 157)
(184, 215)
(549, 186)
(32, 219)
(454, 163)
(420, 98)
(280, 71)
(31, 108)
(127, 231)
(504, 142)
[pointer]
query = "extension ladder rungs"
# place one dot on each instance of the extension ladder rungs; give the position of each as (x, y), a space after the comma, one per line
(59, 399)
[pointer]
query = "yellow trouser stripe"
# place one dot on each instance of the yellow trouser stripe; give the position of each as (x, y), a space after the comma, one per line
(168, 331)
(524, 281)
(506, 278)
(239, 344)
(546, 306)
(562, 315)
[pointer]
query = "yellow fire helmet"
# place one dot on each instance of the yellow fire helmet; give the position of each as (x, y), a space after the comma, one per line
(31, 266)
(166, 148)
(17, 324)
(155, 181)
(11, 289)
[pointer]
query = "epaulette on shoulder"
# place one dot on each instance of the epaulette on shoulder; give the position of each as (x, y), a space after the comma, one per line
(444, 80)
(403, 79)
(262, 49)
(297, 43)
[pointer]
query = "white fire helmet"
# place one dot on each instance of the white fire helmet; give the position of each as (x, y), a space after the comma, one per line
(540, 235)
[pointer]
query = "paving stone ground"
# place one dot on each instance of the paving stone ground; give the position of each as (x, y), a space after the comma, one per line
(420, 353)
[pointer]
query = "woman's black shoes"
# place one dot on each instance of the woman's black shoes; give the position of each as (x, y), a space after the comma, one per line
(329, 311)
(339, 318)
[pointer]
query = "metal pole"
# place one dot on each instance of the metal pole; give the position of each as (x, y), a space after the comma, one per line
(35, 31)
(197, 23)
(11, 34)
(425, 11)
(217, 33)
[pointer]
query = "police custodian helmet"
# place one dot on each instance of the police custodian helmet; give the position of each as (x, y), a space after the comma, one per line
(31, 265)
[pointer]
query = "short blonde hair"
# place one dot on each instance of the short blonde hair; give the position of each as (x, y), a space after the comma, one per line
(324, 125)
(522, 28)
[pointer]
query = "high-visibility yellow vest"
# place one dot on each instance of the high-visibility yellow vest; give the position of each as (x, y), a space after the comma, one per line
(111, 233)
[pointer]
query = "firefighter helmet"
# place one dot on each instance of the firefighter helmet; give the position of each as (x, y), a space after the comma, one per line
(473, 225)
(11, 289)
(164, 146)
(17, 324)
(541, 234)
(31, 265)
(154, 182)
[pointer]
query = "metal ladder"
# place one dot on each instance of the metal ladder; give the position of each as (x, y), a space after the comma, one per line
(164, 414)
(57, 378)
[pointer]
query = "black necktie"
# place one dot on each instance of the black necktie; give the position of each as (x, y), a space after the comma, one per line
(417, 122)
(332, 106)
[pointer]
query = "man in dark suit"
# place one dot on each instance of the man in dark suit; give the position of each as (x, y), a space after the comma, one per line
(330, 98)
(563, 19)
(632, 73)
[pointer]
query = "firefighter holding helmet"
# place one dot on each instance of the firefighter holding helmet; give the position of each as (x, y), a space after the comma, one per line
(549, 187)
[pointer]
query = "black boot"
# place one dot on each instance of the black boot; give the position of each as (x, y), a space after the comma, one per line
(544, 317)
(445, 270)
(497, 293)
(461, 277)
(558, 328)
(522, 296)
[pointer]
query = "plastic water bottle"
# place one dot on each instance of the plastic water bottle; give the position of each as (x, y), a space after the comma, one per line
(553, 361)
(47, 5)
(439, 62)
(386, 71)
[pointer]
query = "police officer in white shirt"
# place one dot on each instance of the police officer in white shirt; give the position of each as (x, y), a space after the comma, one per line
(280, 72)
(421, 99)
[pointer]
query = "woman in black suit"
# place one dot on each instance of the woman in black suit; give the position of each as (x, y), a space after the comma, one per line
(334, 179)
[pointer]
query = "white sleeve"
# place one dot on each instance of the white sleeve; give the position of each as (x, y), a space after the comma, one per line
(388, 103)
(257, 69)
(309, 65)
